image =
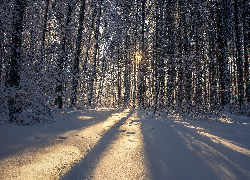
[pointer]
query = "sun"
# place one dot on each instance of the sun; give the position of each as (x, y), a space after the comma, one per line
(138, 57)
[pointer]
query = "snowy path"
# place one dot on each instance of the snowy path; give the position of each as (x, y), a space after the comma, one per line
(177, 149)
(125, 144)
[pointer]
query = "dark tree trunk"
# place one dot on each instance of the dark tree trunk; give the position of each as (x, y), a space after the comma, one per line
(170, 52)
(93, 75)
(238, 55)
(126, 74)
(160, 35)
(63, 55)
(77, 54)
(135, 49)
(142, 73)
(44, 30)
(1, 53)
(119, 88)
(14, 77)
(89, 38)
(212, 63)
(221, 55)
(246, 32)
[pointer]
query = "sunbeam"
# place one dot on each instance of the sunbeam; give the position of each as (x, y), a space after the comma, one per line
(54, 161)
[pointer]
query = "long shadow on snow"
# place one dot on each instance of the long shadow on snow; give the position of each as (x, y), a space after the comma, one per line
(227, 158)
(83, 169)
(42, 135)
(167, 153)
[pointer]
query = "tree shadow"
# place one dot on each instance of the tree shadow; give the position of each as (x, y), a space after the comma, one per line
(176, 154)
(168, 156)
(83, 169)
(47, 134)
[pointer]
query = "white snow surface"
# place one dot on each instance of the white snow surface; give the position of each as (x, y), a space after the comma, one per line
(127, 144)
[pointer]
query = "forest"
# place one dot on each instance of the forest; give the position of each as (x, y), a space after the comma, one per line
(124, 89)
(162, 55)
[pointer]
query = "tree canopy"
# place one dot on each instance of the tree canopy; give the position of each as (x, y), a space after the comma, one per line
(190, 56)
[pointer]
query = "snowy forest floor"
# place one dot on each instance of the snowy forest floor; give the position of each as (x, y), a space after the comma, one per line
(126, 144)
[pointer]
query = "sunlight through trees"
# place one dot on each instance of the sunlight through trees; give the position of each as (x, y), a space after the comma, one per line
(190, 56)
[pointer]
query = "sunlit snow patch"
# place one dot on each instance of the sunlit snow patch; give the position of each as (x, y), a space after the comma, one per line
(52, 162)
(84, 117)
(229, 144)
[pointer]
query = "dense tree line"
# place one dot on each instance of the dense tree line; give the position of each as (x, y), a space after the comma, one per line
(191, 56)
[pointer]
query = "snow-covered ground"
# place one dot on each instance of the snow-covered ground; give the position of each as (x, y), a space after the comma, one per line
(127, 144)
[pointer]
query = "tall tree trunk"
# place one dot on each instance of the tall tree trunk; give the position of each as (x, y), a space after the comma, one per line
(135, 54)
(198, 49)
(119, 88)
(212, 63)
(245, 45)
(44, 31)
(1, 52)
(99, 97)
(221, 55)
(186, 63)
(142, 73)
(126, 74)
(160, 33)
(156, 56)
(77, 54)
(134, 91)
(14, 77)
(63, 56)
(103, 72)
(89, 39)
(171, 48)
(93, 74)
(113, 85)
(162, 54)
(238, 55)
(180, 55)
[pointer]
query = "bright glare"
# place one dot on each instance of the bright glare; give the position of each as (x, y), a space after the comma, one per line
(84, 117)
(138, 57)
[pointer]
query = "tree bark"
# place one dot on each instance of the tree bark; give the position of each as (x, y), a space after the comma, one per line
(238, 55)
(44, 31)
(126, 74)
(63, 55)
(142, 73)
(77, 55)
(245, 46)
(221, 55)
(14, 76)
(93, 75)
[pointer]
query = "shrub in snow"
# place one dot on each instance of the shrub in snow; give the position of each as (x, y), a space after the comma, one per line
(30, 106)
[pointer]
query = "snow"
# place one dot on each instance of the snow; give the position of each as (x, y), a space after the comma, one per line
(127, 144)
